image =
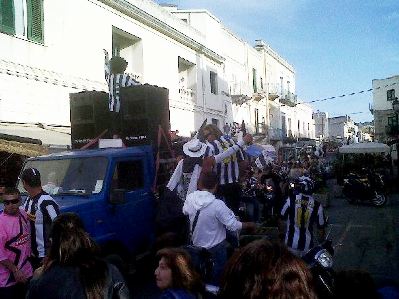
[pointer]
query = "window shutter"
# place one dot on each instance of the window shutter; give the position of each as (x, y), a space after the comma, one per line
(7, 23)
(35, 20)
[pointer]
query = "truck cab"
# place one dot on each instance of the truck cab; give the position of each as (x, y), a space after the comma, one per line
(110, 189)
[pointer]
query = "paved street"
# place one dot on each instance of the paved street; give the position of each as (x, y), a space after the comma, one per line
(369, 236)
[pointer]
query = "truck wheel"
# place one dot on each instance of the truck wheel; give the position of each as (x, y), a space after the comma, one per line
(379, 200)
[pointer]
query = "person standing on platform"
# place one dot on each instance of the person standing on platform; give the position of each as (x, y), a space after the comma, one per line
(116, 78)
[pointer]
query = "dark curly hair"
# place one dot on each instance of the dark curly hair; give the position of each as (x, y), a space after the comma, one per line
(265, 269)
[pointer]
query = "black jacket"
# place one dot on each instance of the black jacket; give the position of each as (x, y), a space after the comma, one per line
(64, 283)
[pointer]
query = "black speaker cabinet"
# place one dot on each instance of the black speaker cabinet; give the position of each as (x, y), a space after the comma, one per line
(89, 116)
(144, 108)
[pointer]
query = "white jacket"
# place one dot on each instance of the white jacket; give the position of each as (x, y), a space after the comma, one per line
(214, 218)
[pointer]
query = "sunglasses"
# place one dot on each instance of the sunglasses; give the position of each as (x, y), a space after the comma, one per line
(13, 201)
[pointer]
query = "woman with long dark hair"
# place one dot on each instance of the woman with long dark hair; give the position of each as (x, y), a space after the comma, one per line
(73, 268)
(175, 275)
(265, 269)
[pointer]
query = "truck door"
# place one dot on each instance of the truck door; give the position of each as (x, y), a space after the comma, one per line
(131, 204)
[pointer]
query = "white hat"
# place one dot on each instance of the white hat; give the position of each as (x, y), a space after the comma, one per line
(194, 148)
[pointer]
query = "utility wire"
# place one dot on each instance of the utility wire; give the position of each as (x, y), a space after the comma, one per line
(349, 94)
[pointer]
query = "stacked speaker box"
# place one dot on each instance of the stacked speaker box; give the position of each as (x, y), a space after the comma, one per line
(143, 109)
(89, 116)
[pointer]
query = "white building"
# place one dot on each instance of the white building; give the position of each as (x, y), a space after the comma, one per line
(343, 128)
(385, 91)
(57, 50)
(321, 124)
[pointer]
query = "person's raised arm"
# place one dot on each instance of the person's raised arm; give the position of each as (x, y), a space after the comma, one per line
(233, 149)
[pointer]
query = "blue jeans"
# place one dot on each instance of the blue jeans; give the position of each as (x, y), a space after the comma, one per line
(219, 256)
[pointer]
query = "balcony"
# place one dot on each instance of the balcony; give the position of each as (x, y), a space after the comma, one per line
(239, 99)
(392, 130)
(186, 94)
(258, 96)
(274, 91)
(289, 99)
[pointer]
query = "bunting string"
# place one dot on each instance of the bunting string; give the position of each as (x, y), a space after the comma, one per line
(349, 94)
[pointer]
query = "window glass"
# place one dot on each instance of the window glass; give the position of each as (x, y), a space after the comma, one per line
(254, 86)
(7, 23)
(22, 18)
(213, 79)
(20, 25)
(70, 176)
(391, 94)
(128, 175)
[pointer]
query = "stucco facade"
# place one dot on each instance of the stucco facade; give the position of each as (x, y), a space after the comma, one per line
(385, 91)
(205, 67)
(321, 124)
(343, 128)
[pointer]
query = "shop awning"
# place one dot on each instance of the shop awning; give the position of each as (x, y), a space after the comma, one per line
(24, 149)
(363, 148)
(48, 135)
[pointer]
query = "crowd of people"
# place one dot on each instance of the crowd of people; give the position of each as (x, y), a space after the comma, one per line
(45, 254)
(208, 184)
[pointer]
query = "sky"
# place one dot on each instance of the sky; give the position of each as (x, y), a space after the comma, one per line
(336, 47)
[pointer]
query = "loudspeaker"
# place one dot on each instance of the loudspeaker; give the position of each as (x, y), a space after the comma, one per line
(89, 116)
(143, 109)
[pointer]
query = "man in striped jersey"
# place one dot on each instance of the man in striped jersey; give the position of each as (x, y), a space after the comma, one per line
(302, 212)
(41, 209)
(116, 78)
(228, 169)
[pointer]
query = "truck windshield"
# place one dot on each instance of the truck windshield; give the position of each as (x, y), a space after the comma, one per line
(70, 176)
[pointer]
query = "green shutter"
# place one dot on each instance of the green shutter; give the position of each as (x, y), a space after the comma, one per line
(7, 23)
(35, 20)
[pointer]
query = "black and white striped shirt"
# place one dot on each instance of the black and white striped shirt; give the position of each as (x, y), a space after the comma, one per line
(227, 169)
(41, 210)
(302, 213)
(115, 82)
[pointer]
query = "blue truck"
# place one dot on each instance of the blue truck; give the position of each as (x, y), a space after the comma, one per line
(110, 189)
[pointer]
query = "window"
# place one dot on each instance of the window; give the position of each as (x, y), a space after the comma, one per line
(22, 18)
(128, 175)
(214, 82)
(129, 47)
(261, 83)
(255, 87)
(71, 176)
(391, 95)
(393, 121)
